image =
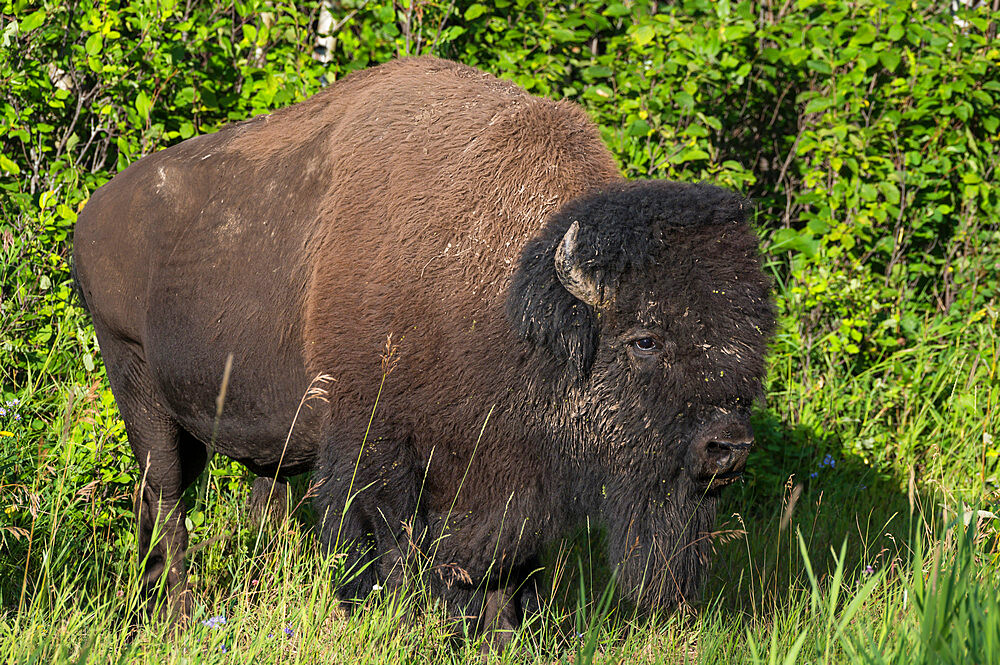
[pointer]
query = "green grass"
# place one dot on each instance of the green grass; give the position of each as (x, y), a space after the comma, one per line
(935, 604)
(846, 543)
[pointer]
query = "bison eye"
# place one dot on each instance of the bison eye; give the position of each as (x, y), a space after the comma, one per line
(645, 345)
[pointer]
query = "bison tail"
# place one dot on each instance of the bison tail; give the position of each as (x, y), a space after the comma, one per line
(77, 289)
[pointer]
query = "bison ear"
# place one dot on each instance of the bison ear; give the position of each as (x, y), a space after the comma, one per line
(550, 301)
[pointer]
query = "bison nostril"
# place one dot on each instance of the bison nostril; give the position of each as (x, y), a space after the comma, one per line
(723, 461)
(725, 456)
(720, 454)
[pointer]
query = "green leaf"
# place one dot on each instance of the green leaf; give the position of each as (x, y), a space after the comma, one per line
(66, 212)
(644, 34)
(597, 71)
(46, 199)
(563, 35)
(818, 104)
(795, 55)
(638, 128)
(782, 238)
(184, 96)
(475, 11)
(890, 192)
(94, 44)
(599, 91)
(889, 60)
(865, 34)
(142, 104)
(819, 66)
(31, 21)
(690, 155)
(885, 244)
(8, 165)
(818, 226)
(617, 9)
(738, 31)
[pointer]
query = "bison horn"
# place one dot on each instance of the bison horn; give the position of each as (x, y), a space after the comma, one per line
(570, 272)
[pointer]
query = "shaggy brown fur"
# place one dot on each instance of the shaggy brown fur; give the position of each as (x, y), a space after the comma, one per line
(516, 338)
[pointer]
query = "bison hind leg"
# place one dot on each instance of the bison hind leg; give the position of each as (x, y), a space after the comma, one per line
(269, 497)
(170, 460)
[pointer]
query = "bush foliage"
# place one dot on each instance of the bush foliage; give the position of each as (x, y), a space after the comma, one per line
(866, 131)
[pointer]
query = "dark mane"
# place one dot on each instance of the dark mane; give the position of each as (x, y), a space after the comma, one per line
(623, 226)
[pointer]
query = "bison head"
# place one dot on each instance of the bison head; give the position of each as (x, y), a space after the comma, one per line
(649, 300)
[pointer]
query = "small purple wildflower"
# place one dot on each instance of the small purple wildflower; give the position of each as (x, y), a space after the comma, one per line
(270, 635)
(828, 463)
(7, 410)
(222, 648)
(214, 622)
(869, 570)
(289, 632)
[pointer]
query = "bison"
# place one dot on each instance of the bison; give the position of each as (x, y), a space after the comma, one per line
(507, 338)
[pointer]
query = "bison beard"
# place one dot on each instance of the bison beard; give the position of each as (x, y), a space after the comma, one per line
(564, 346)
(661, 547)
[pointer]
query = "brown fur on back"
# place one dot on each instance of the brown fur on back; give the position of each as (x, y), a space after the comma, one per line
(439, 174)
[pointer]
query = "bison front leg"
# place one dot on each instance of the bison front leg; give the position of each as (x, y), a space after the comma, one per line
(345, 530)
(504, 612)
(368, 506)
(487, 584)
(494, 614)
(659, 547)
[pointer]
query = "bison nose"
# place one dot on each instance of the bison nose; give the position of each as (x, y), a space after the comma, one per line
(724, 457)
(719, 459)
